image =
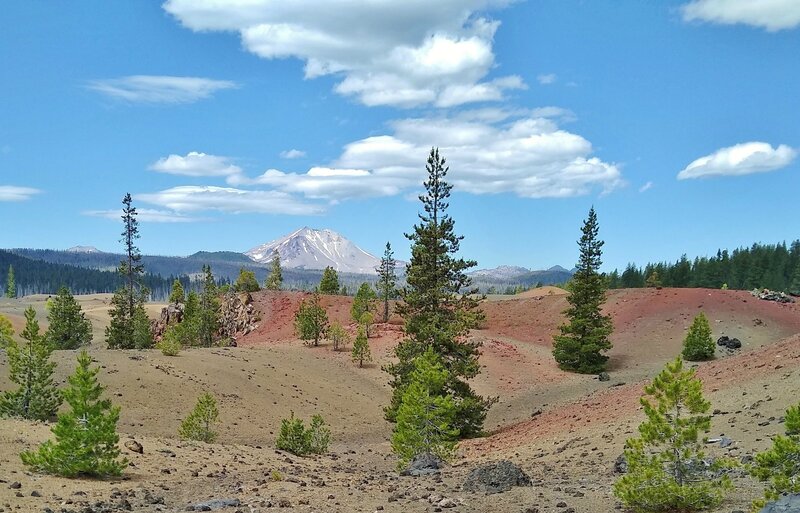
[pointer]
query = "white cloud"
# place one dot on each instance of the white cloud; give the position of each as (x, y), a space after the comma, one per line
(194, 198)
(489, 151)
(741, 159)
(293, 154)
(14, 193)
(772, 15)
(646, 187)
(160, 89)
(403, 54)
(546, 79)
(146, 215)
(195, 164)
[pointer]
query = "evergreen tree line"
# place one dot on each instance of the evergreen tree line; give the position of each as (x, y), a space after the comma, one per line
(771, 266)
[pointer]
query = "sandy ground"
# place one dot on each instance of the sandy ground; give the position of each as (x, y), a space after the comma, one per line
(564, 430)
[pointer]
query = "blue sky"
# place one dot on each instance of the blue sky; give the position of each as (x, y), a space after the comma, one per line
(234, 125)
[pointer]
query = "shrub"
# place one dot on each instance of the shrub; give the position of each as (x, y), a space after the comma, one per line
(361, 352)
(338, 335)
(199, 425)
(6, 332)
(780, 465)
(698, 344)
(311, 320)
(170, 344)
(276, 475)
(666, 469)
(86, 437)
(296, 439)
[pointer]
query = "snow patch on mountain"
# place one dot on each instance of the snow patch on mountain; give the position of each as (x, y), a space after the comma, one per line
(83, 249)
(308, 248)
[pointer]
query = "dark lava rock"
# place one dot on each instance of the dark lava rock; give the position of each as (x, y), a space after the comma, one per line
(496, 478)
(621, 464)
(786, 504)
(423, 464)
(603, 376)
(214, 504)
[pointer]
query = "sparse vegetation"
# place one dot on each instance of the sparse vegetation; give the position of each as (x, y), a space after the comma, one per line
(338, 336)
(361, 352)
(779, 466)
(29, 367)
(199, 425)
(296, 439)
(85, 437)
(68, 326)
(171, 343)
(698, 344)
(439, 307)
(275, 278)
(311, 320)
(427, 413)
(584, 338)
(6, 332)
(667, 469)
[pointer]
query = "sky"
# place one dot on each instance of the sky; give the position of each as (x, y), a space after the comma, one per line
(234, 123)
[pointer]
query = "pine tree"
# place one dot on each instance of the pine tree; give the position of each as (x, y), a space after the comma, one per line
(329, 284)
(11, 284)
(37, 397)
(366, 320)
(246, 282)
(698, 344)
(177, 295)
(427, 413)
(795, 284)
(208, 313)
(311, 320)
(85, 437)
(362, 302)
(199, 425)
(780, 465)
(584, 337)
(387, 279)
(665, 465)
(338, 335)
(653, 281)
(439, 307)
(361, 353)
(192, 307)
(68, 326)
(275, 278)
(121, 333)
(6, 332)
(142, 332)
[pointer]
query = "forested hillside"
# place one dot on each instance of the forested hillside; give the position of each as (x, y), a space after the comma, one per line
(772, 266)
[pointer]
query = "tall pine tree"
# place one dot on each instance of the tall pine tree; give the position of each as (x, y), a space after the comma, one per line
(11, 284)
(208, 314)
(329, 284)
(36, 397)
(275, 278)
(387, 279)
(125, 330)
(439, 308)
(584, 338)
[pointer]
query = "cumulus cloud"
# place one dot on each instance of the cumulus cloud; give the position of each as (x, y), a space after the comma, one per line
(293, 154)
(198, 198)
(547, 79)
(741, 159)
(146, 215)
(772, 15)
(403, 54)
(195, 164)
(14, 193)
(489, 151)
(160, 89)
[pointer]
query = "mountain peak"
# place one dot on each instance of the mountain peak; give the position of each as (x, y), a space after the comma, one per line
(311, 248)
(83, 249)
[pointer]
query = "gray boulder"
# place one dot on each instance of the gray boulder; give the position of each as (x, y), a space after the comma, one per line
(621, 464)
(214, 505)
(786, 504)
(496, 478)
(423, 464)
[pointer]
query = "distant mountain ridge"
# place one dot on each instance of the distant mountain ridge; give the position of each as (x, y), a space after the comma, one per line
(308, 248)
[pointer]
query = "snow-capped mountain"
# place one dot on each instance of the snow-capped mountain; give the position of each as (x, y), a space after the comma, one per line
(504, 272)
(316, 249)
(83, 249)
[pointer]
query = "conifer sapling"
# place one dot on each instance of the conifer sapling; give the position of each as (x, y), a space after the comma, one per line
(199, 425)
(698, 344)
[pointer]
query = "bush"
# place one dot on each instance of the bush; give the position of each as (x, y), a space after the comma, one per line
(296, 439)
(86, 437)
(698, 344)
(170, 344)
(311, 321)
(361, 353)
(780, 465)
(666, 465)
(338, 336)
(199, 424)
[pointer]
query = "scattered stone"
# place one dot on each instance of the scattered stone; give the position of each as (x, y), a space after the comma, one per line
(729, 343)
(16, 485)
(771, 295)
(447, 503)
(423, 464)
(496, 478)
(134, 446)
(603, 376)
(621, 464)
(214, 505)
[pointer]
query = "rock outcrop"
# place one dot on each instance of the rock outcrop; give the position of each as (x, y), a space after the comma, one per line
(238, 315)
(496, 478)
